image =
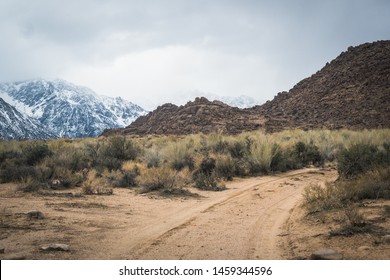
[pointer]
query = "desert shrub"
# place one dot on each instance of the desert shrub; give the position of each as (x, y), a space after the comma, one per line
(308, 154)
(96, 184)
(8, 155)
(207, 166)
(225, 167)
(373, 184)
(109, 163)
(241, 167)
(127, 179)
(260, 158)
(153, 157)
(31, 184)
(13, 173)
(73, 159)
(319, 198)
(123, 178)
(162, 179)
(76, 160)
(35, 152)
(112, 153)
(354, 216)
(121, 148)
(216, 143)
(65, 178)
(205, 177)
(179, 155)
(237, 149)
(283, 159)
(357, 159)
(207, 182)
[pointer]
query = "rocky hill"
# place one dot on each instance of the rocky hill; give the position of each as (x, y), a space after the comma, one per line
(199, 116)
(352, 91)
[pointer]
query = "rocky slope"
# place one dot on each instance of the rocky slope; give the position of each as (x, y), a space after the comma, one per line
(14, 125)
(199, 116)
(352, 91)
(69, 110)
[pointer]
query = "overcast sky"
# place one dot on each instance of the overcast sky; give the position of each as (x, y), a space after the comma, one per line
(152, 52)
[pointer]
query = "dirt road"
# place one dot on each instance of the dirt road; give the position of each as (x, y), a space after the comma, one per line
(243, 222)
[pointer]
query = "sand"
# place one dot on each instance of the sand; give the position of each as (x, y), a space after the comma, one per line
(254, 218)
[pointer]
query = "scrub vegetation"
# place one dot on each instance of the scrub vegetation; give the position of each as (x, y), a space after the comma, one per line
(171, 164)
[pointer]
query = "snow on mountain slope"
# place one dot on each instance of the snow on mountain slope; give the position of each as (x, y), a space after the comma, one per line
(69, 110)
(14, 125)
(240, 101)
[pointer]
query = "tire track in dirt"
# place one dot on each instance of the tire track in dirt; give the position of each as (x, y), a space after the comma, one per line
(242, 222)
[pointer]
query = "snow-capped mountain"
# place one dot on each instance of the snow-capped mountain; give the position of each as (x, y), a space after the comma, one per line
(69, 110)
(240, 101)
(14, 125)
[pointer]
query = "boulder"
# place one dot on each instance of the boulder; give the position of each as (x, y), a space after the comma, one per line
(326, 254)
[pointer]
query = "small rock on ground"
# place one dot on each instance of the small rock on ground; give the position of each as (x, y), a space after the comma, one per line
(326, 254)
(35, 214)
(55, 247)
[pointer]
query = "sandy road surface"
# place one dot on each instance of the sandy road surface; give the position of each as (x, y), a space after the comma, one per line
(243, 222)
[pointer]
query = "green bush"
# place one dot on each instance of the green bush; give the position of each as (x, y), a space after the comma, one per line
(205, 177)
(358, 159)
(225, 167)
(153, 157)
(207, 166)
(120, 148)
(308, 154)
(237, 149)
(14, 173)
(35, 152)
(125, 178)
(283, 159)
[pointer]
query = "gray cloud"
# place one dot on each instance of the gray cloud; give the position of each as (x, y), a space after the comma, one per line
(260, 47)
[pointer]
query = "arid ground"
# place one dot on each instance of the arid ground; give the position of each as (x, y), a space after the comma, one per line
(254, 218)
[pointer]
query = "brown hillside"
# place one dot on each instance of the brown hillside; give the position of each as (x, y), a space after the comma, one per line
(199, 116)
(352, 91)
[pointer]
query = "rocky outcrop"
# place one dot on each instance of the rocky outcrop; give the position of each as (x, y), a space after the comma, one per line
(199, 116)
(352, 91)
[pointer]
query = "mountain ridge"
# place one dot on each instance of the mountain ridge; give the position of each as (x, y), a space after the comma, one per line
(69, 110)
(15, 125)
(352, 91)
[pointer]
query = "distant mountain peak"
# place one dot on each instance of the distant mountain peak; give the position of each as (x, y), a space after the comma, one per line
(67, 109)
